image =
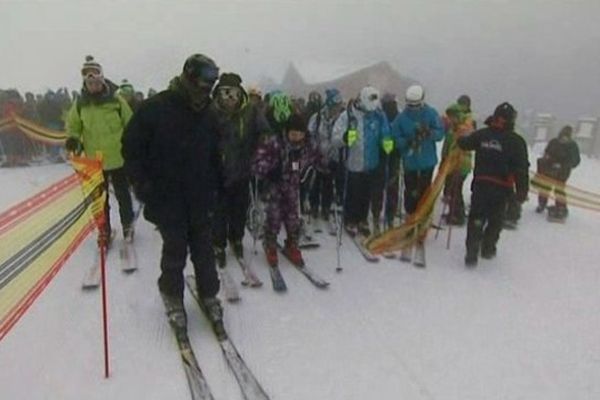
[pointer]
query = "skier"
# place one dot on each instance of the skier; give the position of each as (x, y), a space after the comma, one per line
(458, 124)
(95, 124)
(560, 157)
(389, 104)
(128, 93)
(361, 130)
(320, 128)
(501, 164)
(172, 158)
(417, 129)
(241, 125)
(279, 161)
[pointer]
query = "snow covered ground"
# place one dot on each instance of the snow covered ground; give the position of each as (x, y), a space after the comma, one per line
(522, 326)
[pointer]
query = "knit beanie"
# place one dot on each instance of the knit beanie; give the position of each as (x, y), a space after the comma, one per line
(91, 65)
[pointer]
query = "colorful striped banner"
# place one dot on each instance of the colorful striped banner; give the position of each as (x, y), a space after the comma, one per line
(39, 234)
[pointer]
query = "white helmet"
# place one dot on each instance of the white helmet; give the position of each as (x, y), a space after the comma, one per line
(415, 95)
(370, 98)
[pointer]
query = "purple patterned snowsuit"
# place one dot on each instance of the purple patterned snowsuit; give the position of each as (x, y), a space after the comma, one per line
(281, 195)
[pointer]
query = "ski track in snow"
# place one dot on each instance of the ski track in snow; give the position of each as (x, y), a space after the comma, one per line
(523, 325)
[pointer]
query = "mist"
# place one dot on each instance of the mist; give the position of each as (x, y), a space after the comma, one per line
(543, 56)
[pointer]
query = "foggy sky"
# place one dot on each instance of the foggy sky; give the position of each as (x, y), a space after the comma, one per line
(540, 55)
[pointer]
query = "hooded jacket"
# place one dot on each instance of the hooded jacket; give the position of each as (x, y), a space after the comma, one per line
(98, 122)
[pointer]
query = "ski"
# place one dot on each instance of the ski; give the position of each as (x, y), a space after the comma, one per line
(406, 255)
(306, 244)
(277, 279)
(91, 279)
(390, 255)
(197, 383)
(307, 272)
(250, 278)
(228, 285)
(359, 242)
(249, 385)
(127, 257)
(419, 257)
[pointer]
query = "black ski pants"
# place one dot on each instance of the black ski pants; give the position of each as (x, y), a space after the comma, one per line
(364, 191)
(453, 191)
(176, 242)
(321, 193)
(488, 202)
(118, 179)
(230, 213)
(415, 185)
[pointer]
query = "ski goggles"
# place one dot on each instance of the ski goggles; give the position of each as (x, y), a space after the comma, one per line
(92, 73)
(229, 93)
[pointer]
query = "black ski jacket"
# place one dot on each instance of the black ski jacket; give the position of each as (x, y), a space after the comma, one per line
(500, 159)
(172, 160)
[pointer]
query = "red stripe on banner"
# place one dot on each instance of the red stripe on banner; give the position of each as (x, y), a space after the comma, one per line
(20, 308)
(28, 206)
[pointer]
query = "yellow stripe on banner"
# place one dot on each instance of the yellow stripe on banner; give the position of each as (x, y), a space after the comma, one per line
(26, 233)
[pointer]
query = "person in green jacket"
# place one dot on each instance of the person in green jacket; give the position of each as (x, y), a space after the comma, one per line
(95, 126)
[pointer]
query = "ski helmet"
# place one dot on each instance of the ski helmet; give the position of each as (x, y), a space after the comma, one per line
(280, 105)
(332, 97)
(314, 97)
(369, 98)
(415, 95)
(201, 69)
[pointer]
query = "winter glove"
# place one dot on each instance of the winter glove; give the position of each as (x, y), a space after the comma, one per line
(73, 145)
(275, 174)
(350, 137)
(422, 132)
(387, 145)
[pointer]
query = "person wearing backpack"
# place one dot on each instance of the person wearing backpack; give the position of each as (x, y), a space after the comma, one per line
(95, 125)
(561, 155)
(320, 128)
(361, 130)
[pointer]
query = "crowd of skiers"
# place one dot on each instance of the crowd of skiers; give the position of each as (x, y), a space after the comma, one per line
(196, 154)
(48, 110)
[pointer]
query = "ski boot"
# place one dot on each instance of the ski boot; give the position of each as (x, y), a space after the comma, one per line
(406, 254)
(540, 208)
(271, 253)
(105, 238)
(351, 229)
(376, 228)
(238, 248)
(128, 233)
(292, 252)
(471, 258)
(220, 256)
(175, 314)
(211, 306)
(363, 229)
(488, 251)
(419, 256)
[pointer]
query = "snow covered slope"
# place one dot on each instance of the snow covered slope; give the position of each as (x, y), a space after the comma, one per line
(522, 326)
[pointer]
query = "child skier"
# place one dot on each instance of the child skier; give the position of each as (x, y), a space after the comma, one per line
(279, 161)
